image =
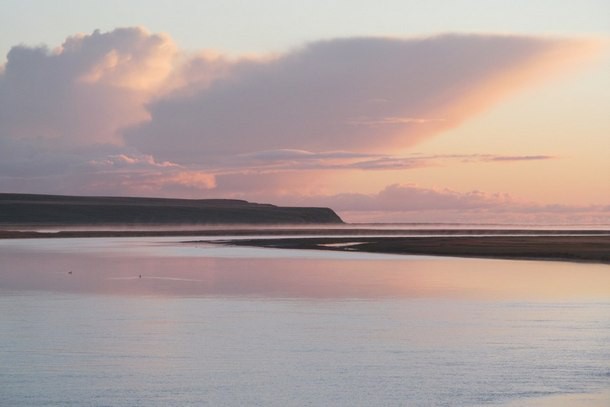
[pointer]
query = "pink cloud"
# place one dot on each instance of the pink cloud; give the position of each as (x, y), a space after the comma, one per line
(358, 94)
(127, 112)
(292, 159)
(130, 161)
(62, 111)
(84, 91)
(412, 203)
(406, 198)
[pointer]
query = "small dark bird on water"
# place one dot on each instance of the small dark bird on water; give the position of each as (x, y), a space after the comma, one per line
(69, 272)
(140, 276)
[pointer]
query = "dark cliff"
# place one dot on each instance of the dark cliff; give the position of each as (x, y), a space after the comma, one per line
(32, 209)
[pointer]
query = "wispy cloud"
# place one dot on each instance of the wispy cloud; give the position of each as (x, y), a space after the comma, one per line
(389, 121)
(289, 159)
(521, 157)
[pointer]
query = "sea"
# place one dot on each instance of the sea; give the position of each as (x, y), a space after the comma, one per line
(154, 321)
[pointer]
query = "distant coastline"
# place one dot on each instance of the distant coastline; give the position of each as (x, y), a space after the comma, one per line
(31, 209)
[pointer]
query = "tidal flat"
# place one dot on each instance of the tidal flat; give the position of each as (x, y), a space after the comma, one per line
(583, 248)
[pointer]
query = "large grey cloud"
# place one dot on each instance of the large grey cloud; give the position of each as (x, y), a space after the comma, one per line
(357, 94)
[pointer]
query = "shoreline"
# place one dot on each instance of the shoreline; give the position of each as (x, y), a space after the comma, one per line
(68, 231)
(591, 246)
(582, 249)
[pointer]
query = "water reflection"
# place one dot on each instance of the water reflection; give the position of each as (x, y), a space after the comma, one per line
(224, 326)
(156, 267)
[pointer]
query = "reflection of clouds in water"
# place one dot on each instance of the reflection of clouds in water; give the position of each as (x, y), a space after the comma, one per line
(175, 246)
(283, 273)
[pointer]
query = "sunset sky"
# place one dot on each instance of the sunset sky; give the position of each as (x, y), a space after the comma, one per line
(393, 111)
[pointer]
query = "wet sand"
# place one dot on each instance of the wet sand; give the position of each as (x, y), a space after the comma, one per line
(582, 248)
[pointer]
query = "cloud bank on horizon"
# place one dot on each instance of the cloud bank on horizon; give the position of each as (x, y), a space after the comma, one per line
(127, 112)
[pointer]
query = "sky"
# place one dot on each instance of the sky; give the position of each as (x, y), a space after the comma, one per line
(386, 111)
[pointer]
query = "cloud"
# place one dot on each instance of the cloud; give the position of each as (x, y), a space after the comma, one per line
(84, 91)
(126, 112)
(389, 121)
(521, 157)
(177, 182)
(62, 111)
(291, 159)
(109, 170)
(420, 161)
(130, 161)
(356, 94)
(413, 198)
(405, 198)
(362, 95)
(412, 203)
(85, 181)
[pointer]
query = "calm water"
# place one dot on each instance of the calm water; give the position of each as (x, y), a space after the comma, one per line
(210, 325)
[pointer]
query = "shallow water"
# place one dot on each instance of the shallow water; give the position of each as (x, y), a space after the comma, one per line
(219, 325)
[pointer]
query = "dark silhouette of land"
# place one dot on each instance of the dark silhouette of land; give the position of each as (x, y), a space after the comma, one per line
(29, 209)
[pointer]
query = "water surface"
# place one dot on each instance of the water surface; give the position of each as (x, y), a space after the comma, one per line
(149, 321)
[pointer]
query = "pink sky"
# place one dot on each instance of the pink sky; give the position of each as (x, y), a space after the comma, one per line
(452, 127)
